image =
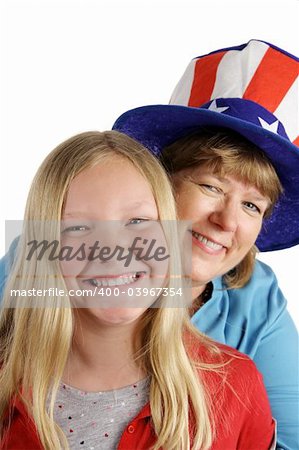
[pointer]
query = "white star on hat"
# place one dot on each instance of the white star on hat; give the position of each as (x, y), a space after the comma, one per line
(270, 127)
(213, 107)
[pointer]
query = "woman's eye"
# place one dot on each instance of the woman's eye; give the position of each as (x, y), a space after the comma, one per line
(252, 207)
(210, 188)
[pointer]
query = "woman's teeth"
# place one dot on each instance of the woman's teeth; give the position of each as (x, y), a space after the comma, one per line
(119, 281)
(206, 241)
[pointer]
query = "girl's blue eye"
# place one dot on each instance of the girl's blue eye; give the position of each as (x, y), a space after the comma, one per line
(75, 228)
(136, 221)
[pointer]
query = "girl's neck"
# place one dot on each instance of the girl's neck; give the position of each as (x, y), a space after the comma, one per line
(102, 358)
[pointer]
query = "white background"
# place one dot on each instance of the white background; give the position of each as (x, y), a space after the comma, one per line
(71, 66)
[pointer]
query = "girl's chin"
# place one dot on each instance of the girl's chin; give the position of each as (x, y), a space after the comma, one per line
(116, 316)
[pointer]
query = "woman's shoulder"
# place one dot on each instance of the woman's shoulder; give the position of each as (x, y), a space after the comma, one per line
(241, 317)
(262, 271)
(261, 296)
(262, 280)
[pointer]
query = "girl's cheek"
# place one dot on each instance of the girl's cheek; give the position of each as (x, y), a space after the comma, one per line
(73, 256)
(72, 268)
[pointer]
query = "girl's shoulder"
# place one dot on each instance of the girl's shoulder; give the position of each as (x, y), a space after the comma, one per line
(21, 432)
(236, 393)
(225, 368)
(214, 352)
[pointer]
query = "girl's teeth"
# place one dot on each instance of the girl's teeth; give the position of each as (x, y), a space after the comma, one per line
(104, 282)
(206, 242)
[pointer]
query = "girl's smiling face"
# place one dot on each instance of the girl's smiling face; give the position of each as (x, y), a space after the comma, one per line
(226, 216)
(111, 205)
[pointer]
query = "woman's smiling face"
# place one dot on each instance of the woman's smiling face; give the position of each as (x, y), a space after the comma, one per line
(226, 216)
(110, 205)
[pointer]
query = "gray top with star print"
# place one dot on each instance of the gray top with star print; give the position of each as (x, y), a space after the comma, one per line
(96, 420)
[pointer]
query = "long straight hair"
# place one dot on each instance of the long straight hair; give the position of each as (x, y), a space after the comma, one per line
(35, 341)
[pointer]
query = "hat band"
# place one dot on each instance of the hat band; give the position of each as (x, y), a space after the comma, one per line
(247, 111)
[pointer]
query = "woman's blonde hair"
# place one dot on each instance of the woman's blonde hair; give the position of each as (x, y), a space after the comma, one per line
(35, 341)
(226, 152)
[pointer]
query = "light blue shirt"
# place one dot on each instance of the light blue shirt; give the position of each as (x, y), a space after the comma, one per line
(255, 321)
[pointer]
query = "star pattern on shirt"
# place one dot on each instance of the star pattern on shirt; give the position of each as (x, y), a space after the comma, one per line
(78, 426)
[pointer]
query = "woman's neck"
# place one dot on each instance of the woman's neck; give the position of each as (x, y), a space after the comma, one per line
(197, 291)
(200, 295)
(102, 358)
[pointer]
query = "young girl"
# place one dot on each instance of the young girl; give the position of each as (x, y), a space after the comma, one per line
(79, 374)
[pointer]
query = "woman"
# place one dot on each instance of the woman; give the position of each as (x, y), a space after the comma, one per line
(113, 371)
(230, 99)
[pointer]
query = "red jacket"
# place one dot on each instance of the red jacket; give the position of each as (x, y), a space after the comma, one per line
(242, 414)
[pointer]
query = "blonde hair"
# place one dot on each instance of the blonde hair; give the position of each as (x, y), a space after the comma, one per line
(226, 152)
(35, 342)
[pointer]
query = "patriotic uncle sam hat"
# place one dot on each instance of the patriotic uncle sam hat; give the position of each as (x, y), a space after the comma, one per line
(252, 89)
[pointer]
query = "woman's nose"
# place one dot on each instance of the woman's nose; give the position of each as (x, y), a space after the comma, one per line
(226, 216)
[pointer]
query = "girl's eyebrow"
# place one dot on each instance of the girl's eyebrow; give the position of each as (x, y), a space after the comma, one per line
(133, 204)
(75, 214)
